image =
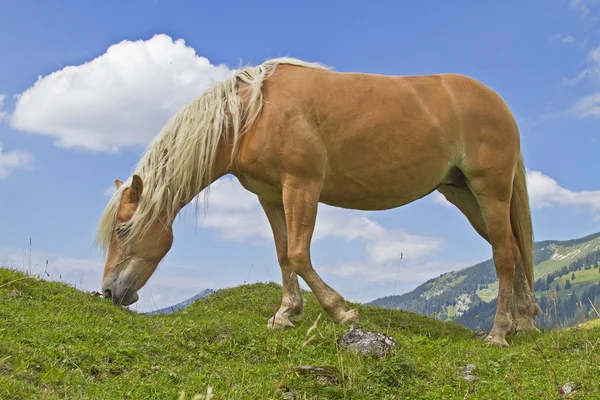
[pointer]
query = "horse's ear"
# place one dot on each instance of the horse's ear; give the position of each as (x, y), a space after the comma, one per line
(137, 186)
(118, 183)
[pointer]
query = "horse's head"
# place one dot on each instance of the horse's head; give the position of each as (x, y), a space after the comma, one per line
(129, 264)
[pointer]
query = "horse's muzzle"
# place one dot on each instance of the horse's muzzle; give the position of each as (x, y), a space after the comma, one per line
(121, 297)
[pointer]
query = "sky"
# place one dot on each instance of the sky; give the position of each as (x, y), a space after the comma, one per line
(84, 86)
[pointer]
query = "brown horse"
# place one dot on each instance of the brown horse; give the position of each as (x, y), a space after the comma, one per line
(296, 134)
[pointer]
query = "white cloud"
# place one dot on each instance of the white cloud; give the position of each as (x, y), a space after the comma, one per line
(233, 212)
(119, 99)
(228, 194)
(581, 7)
(546, 192)
(81, 273)
(588, 106)
(592, 71)
(383, 244)
(3, 114)
(563, 38)
(15, 159)
(593, 57)
(236, 214)
(12, 160)
(403, 272)
(169, 285)
(438, 198)
(110, 191)
(237, 225)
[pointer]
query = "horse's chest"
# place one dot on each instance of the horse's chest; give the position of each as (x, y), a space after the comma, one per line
(267, 191)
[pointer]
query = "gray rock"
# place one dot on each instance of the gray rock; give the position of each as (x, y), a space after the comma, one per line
(480, 335)
(568, 389)
(468, 373)
(288, 395)
(324, 375)
(366, 342)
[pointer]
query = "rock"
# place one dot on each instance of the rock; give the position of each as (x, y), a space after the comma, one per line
(288, 395)
(467, 373)
(568, 389)
(324, 375)
(480, 335)
(366, 342)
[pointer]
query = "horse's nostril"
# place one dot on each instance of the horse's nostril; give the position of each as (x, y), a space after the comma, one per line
(107, 294)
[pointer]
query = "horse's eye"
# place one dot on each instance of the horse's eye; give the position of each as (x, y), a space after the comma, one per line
(122, 231)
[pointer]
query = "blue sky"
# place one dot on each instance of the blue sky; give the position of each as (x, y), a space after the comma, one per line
(73, 117)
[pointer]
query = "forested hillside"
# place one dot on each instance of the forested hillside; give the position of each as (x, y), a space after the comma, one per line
(567, 274)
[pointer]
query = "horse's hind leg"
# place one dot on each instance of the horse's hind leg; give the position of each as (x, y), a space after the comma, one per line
(526, 304)
(493, 193)
(465, 201)
(300, 201)
(291, 302)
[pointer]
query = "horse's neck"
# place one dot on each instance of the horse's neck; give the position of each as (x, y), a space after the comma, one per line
(220, 169)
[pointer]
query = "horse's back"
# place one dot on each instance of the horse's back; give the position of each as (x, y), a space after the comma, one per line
(447, 101)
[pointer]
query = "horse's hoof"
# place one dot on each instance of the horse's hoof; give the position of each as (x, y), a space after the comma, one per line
(349, 316)
(525, 325)
(279, 322)
(496, 341)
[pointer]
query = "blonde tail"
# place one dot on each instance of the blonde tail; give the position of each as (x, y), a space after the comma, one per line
(520, 219)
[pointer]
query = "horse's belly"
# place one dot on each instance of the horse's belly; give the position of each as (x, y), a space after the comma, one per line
(378, 192)
(378, 171)
(370, 203)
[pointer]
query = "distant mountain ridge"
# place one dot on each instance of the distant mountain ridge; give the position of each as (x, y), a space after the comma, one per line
(183, 304)
(469, 295)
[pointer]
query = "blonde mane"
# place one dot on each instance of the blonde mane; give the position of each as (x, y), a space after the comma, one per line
(179, 162)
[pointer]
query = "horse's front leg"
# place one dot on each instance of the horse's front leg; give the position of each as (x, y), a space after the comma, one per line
(300, 201)
(292, 302)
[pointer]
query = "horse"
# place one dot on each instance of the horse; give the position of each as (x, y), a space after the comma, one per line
(298, 133)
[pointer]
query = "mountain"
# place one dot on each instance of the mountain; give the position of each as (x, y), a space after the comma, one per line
(58, 342)
(183, 304)
(468, 296)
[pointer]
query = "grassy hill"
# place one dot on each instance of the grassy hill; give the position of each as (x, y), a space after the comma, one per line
(57, 342)
(469, 295)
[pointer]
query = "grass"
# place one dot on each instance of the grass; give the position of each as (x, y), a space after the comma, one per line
(57, 342)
